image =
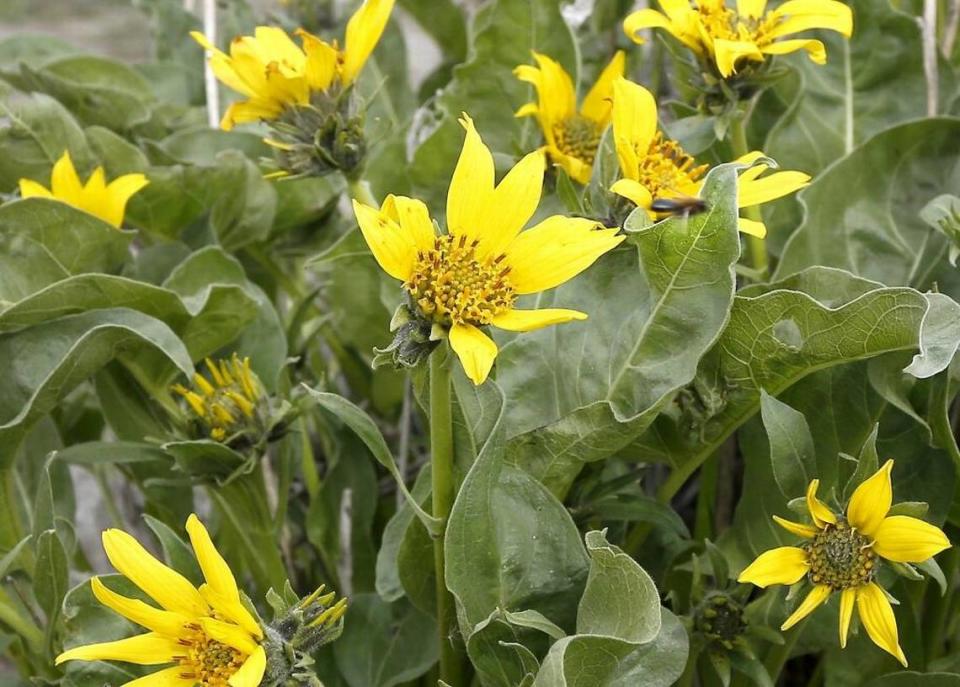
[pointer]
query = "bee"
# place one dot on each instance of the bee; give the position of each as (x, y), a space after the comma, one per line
(683, 206)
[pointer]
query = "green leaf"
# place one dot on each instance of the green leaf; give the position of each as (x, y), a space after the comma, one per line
(579, 392)
(444, 21)
(50, 579)
(792, 454)
(50, 359)
(910, 678)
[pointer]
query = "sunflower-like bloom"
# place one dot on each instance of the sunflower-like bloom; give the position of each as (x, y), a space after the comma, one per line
(471, 275)
(572, 137)
(654, 166)
(727, 37)
(206, 632)
(227, 400)
(842, 552)
(274, 73)
(96, 196)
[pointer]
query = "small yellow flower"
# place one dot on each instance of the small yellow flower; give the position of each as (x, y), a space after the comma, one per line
(97, 197)
(274, 73)
(227, 400)
(726, 37)
(207, 633)
(572, 137)
(654, 166)
(841, 553)
(472, 275)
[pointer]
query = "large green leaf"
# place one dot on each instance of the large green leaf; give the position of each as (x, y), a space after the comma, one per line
(43, 363)
(873, 228)
(579, 392)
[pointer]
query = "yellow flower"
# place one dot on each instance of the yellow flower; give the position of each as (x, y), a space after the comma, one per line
(472, 275)
(207, 633)
(653, 166)
(726, 36)
(227, 399)
(97, 197)
(274, 73)
(841, 553)
(572, 137)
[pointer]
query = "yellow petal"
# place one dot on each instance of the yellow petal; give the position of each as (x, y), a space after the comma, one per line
(751, 227)
(393, 249)
(527, 110)
(249, 111)
(31, 189)
(513, 203)
(871, 500)
(817, 596)
(251, 672)
(528, 320)
(363, 33)
(413, 218)
(904, 539)
(279, 47)
(801, 15)
(646, 19)
(783, 565)
(847, 599)
(815, 49)
(64, 182)
(471, 188)
(555, 250)
(805, 531)
(322, 58)
(634, 123)
(118, 193)
(229, 634)
(148, 649)
(726, 54)
(633, 191)
(167, 587)
(555, 92)
(576, 169)
(819, 512)
(878, 619)
(232, 609)
(598, 104)
(168, 677)
(166, 623)
(751, 8)
(476, 351)
(773, 186)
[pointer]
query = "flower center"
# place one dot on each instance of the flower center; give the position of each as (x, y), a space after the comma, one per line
(578, 137)
(719, 21)
(209, 662)
(452, 285)
(840, 557)
(667, 170)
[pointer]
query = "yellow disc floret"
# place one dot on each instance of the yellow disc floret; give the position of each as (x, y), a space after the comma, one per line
(666, 169)
(578, 137)
(840, 557)
(209, 662)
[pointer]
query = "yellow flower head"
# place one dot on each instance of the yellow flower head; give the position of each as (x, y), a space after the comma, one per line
(726, 37)
(572, 136)
(208, 635)
(653, 166)
(225, 401)
(471, 275)
(274, 73)
(841, 553)
(103, 200)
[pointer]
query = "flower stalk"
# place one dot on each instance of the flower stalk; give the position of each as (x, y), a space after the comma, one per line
(756, 245)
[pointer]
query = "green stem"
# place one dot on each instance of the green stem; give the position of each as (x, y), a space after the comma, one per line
(703, 521)
(779, 653)
(441, 455)
(937, 607)
(756, 245)
(9, 616)
(11, 529)
(100, 473)
(360, 192)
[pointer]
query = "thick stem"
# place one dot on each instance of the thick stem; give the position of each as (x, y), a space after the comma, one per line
(441, 456)
(360, 192)
(738, 142)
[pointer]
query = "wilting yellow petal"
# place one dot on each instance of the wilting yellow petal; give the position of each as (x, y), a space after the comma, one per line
(801, 15)
(229, 634)
(817, 596)
(249, 111)
(877, 617)
(646, 19)
(31, 189)
(363, 33)
(167, 587)
(471, 188)
(634, 123)
(727, 53)
(752, 192)
(166, 623)
(168, 677)
(117, 193)
(148, 649)
(598, 104)
(819, 512)
(393, 249)
(555, 250)
(904, 539)
(513, 203)
(814, 48)
(871, 501)
(527, 320)
(413, 218)
(805, 531)
(476, 351)
(783, 565)
(847, 599)
(251, 672)
(633, 191)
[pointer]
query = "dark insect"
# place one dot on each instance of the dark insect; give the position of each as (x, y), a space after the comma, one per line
(683, 206)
